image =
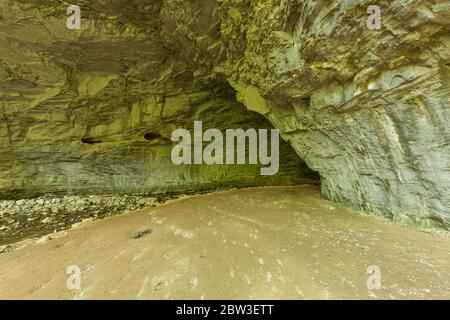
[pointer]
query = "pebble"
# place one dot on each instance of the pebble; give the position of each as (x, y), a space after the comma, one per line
(60, 213)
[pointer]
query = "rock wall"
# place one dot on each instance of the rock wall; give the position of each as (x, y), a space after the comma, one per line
(367, 109)
(91, 111)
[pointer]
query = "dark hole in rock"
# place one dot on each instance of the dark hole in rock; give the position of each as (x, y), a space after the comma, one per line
(150, 136)
(90, 140)
(306, 102)
(141, 233)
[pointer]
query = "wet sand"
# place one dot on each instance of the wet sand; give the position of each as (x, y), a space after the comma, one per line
(259, 243)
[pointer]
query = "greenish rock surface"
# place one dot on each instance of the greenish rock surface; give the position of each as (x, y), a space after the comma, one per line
(91, 111)
(366, 109)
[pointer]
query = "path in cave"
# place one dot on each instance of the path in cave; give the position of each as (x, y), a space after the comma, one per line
(261, 243)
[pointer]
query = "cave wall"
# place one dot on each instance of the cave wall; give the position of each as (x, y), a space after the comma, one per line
(367, 109)
(92, 111)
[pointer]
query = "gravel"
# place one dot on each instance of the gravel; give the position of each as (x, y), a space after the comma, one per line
(25, 218)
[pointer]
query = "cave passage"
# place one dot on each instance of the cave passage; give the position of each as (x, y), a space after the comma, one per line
(355, 204)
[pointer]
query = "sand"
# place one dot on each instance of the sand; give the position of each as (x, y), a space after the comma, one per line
(257, 243)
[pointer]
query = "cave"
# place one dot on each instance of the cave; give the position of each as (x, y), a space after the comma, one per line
(150, 136)
(91, 95)
(89, 140)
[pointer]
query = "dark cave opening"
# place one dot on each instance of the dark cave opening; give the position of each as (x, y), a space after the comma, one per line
(90, 140)
(151, 136)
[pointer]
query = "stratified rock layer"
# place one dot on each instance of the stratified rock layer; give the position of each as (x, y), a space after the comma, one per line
(367, 109)
(92, 111)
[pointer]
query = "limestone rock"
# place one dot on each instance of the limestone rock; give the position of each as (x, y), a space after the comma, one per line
(366, 109)
(91, 111)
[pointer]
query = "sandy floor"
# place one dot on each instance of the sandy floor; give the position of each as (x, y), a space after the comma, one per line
(278, 242)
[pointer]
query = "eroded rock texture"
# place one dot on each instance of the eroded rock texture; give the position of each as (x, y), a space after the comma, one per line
(92, 111)
(367, 109)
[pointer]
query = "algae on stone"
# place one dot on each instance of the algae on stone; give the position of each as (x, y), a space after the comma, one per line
(367, 109)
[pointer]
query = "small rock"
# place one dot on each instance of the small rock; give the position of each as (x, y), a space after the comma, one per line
(6, 248)
(46, 220)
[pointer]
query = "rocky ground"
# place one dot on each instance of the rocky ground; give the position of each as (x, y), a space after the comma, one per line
(20, 219)
(32, 218)
(259, 243)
